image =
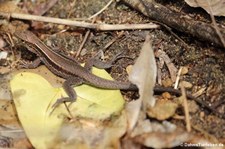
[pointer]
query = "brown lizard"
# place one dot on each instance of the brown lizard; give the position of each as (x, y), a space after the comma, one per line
(73, 72)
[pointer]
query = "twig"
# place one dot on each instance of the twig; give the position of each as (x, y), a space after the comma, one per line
(102, 27)
(179, 117)
(218, 103)
(199, 92)
(113, 40)
(215, 25)
(100, 11)
(72, 5)
(186, 109)
(84, 40)
(178, 78)
(88, 32)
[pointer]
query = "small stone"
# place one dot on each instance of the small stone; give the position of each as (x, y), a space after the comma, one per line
(166, 95)
(162, 110)
(186, 84)
(184, 70)
(83, 52)
(129, 68)
(193, 107)
(3, 57)
(61, 27)
(167, 82)
(202, 114)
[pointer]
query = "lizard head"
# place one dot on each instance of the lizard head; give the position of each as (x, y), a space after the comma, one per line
(25, 35)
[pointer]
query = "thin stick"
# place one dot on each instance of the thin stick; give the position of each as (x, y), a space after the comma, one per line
(99, 26)
(88, 32)
(100, 11)
(113, 40)
(215, 25)
(84, 40)
(178, 78)
(186, 109)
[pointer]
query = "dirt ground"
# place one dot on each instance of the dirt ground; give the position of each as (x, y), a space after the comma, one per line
(205, 63)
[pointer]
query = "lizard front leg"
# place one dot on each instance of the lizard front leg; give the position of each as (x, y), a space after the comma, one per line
(33, 64)
(68, 88)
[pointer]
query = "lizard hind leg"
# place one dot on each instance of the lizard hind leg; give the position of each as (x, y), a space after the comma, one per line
(67, 86)
(95, 61)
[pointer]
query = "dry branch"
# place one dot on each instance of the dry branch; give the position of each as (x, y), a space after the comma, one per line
(99, 26)
(175, 20)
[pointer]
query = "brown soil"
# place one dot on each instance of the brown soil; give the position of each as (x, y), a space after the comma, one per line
(205, 62)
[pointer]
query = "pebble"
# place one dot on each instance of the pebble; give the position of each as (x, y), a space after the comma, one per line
(193, 107)
(167, 82)
(186, 84)
(202, 114)
(129, 68)
(184, 70)
(166, 95)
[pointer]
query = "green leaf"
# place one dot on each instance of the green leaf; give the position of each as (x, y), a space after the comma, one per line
(34, 96)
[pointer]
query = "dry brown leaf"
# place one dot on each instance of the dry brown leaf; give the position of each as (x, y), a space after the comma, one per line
(143, 74)
(9, 6)
(165, 136)
(9, 125)
(217, 6)
(159, 135)
(186, 84)
(90, 134)
(163, 109)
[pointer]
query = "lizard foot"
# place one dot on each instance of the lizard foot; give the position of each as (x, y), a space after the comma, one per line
(62, 100)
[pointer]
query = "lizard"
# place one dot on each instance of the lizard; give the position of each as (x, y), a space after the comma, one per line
(69, 69)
